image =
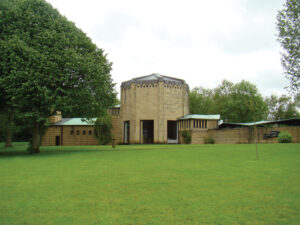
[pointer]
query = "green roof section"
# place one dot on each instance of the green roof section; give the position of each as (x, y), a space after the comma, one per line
(263, 122)
(200, 117)
(75, 122)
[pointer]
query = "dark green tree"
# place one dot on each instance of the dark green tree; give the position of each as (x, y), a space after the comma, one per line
(103, 129)
(288, 25)
(49, 65)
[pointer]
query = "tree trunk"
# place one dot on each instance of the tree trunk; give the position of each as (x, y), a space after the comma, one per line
(36, 137)
(9, 131)
(8, 135)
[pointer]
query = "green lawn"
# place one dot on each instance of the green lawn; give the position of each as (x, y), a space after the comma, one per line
(151, 184)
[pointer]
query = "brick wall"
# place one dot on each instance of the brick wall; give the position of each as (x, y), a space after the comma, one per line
(241, 135)
(159, 102)
(70, 135)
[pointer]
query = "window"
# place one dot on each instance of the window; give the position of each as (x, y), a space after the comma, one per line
(83, 132)
(77, 132)
(72, 132)
(90, 132)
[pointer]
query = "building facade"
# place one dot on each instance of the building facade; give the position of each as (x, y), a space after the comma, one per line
(153, 109)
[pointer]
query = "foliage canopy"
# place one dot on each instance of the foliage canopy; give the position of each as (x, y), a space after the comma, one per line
(240, 102)
(288, 25)
(49, 65)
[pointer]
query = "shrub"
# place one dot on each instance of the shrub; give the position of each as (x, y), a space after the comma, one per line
(209, 140)
(284, 137)
(187, 137)
(103, 129)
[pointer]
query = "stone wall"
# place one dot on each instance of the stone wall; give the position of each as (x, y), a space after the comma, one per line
(117, 129)
(70, 135)
(241, 135)
(158, 102)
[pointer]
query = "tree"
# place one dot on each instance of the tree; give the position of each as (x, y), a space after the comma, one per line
(247, 104)
(103, 129)
(201, 101)
(49, 65)
(240, 102)
(281, 107)
(288, 25)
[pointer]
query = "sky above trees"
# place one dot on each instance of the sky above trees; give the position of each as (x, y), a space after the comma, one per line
(200, 41)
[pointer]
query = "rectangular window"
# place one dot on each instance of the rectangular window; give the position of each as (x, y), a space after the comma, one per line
(83, 132)
(72, 132)
(205, 123)
(77, 132)
(90, 132)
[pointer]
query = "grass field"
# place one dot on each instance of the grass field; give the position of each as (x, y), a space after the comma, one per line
(151, 184)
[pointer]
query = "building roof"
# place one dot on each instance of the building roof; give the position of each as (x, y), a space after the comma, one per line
(293, 121)
(115, 106)
(200, 117)
(74, 122)
(153, 78)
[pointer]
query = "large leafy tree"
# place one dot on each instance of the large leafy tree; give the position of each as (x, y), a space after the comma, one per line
(240, 102)
(288, 25)
(49, 65)
(282, 107)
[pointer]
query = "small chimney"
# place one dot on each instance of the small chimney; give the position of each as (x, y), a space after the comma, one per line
(56, 118)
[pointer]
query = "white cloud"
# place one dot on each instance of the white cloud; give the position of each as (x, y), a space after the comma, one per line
(200, 41)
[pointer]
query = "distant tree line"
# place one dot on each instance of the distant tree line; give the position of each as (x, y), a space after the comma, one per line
(242, 102)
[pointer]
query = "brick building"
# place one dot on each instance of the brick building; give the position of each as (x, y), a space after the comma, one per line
(153, 109)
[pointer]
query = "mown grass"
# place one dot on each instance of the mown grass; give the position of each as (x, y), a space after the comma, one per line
(151, 184)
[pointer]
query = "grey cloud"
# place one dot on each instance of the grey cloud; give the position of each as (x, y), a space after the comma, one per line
(176, 40)
(112, 29)
(271, 81)
(258, 31)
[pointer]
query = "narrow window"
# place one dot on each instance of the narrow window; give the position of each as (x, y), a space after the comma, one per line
(72, 132)
(205, 123)
(83, 132)
(77, 132)
(90, 132)
(194, 123)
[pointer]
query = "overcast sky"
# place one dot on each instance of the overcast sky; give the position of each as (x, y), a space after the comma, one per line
(200, 41)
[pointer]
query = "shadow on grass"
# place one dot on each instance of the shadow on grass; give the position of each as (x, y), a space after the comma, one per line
(19, 149)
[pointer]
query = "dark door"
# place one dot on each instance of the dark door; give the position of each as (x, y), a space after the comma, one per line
(172, 132)
(148, 131)
(57, 140)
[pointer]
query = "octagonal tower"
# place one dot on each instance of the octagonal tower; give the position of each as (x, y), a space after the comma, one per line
(150, 107)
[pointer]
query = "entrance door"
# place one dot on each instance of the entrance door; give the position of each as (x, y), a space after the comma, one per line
(57, 140)
(148, 131)
(126, 132)
(172, 132)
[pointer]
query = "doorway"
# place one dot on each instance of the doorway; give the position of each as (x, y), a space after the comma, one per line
(126, 132)
(172, 132)
(147, 131)
(57, 140)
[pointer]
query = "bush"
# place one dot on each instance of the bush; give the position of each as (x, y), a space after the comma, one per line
(187, 137)
(209, 140)
(284, 137)
(103, 129)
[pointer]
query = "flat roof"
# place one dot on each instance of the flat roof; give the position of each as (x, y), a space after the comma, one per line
(293, 121)
(75, 122)
(200, 117)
